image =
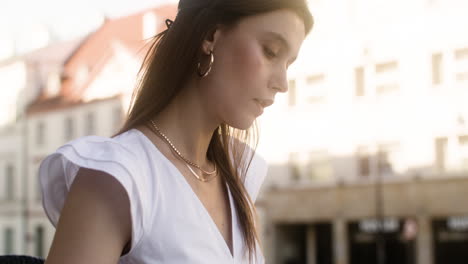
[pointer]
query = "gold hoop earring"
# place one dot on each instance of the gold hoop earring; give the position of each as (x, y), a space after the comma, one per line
(202, 75)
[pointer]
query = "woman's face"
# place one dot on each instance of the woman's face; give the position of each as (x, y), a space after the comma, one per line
(251, 62)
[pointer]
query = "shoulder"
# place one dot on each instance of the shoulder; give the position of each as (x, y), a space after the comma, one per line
(97, 198)
(119, 157)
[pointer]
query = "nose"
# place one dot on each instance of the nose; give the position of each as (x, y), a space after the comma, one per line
(280, 80)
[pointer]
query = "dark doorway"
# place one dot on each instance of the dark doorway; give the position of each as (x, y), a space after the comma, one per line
(362, 241)
(291, 244)
(450, 240)
(324, 243)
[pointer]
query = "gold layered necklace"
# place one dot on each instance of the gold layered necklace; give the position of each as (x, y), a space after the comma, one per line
(188, 163)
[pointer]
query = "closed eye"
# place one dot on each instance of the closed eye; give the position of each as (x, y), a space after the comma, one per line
(269, 53)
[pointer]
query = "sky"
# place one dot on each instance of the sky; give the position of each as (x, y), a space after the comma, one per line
(22, 22)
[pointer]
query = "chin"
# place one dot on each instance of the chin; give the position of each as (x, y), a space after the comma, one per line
(242, 124)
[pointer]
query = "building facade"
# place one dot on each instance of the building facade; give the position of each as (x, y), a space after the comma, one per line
(64, 91)
(373, 128)
(23, 77)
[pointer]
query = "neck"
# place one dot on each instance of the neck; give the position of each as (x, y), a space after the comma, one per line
(189, 125)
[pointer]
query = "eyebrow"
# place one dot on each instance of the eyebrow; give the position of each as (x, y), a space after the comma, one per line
(282, 40)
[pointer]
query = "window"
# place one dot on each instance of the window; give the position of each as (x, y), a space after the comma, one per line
(386, 77)
(9, 241)
(383, 164)
(38, 194)
(461, 61)
(440, 153)
(315, 90)
(292, 93)
(9, 185)
(461, 54)
(386, 67)
(69, 129)
(319, 166)
(359, 81)
(437, 68)
(39, 241)
(81, 75)
(386, 158)
(310, 166)
(53, 83)
(363, 159)
(40, 134)
(294, 167)
(463, 147)
(90, 124)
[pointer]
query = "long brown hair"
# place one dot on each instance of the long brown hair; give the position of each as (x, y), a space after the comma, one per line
(170, 62)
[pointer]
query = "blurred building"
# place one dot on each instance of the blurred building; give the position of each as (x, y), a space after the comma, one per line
(23, 77)
(374, 127)
(54, 95)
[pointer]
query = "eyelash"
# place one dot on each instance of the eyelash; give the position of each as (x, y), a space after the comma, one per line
(269, 53)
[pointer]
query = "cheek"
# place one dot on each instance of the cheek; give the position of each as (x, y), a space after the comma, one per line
(247, 71)
(240, 76)
(249, 62)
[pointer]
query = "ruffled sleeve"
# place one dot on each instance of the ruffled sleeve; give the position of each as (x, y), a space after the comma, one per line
(58, 170)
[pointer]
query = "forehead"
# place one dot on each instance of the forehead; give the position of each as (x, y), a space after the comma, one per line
(285, 23)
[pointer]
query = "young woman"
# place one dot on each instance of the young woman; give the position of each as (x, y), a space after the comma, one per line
(177, 184)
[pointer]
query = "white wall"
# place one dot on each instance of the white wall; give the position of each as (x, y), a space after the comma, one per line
(13, 81)
(350, 34)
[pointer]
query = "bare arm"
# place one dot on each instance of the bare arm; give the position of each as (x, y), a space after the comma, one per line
(95, 222)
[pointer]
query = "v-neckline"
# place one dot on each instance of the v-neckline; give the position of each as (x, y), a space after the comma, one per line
(184, 182)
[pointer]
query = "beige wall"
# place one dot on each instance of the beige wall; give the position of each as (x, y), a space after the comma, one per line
(422, 199)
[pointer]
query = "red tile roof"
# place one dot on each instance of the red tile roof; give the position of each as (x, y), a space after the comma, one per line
(96, 49)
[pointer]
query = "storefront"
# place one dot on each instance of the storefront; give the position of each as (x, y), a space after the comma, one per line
(426, 223)
(450, 240)
(301, 243)
(397, 241)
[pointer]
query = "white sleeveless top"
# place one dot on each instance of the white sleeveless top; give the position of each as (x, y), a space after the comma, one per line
(169, 222)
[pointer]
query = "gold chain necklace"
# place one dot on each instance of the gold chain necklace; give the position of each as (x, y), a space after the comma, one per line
(158, 132)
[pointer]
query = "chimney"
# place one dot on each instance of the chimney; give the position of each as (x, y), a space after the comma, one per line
(149, 25)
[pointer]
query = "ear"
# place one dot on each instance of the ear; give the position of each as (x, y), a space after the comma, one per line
(211, 39)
